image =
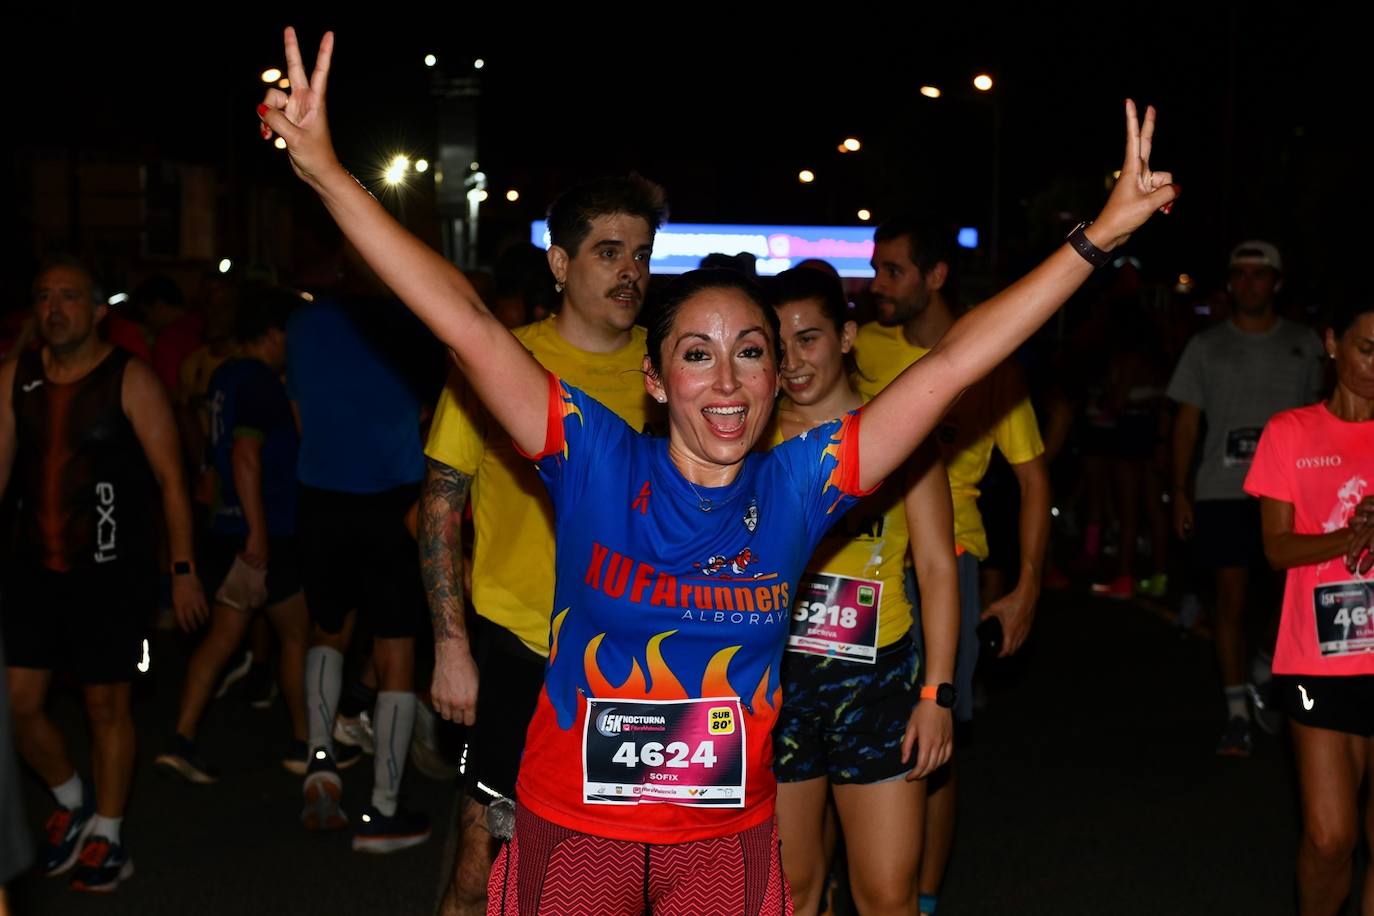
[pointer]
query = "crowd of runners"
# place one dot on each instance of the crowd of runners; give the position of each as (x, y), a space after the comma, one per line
(702, 571)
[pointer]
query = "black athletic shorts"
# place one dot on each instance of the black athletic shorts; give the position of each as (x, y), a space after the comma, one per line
(1227, 533)
(1342, 704)
(217, 554)
(90, 622)
(845, 720)
(356, 554)
(510, 678)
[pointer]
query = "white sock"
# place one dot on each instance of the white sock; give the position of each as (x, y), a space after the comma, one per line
(323, 684)
(1237, 702)
(108, 827)
(70, 794)
(392, 724)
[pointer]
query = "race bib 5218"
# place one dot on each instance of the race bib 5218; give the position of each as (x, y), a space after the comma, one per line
(836, 615)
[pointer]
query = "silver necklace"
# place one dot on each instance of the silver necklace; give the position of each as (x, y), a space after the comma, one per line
(703, 503)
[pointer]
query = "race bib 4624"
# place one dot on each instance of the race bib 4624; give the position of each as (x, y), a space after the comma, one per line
(684, 752)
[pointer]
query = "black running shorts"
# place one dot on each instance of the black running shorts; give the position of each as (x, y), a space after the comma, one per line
(1342, 704)
(1227, 533)
(90, 622)
(356, 554)
(845, 720)
(511, 677)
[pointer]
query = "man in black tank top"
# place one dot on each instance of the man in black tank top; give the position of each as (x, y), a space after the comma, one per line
(86, 432)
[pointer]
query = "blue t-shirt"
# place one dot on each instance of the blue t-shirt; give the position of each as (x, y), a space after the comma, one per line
(246, 398)
(351, 375)
(669, 593)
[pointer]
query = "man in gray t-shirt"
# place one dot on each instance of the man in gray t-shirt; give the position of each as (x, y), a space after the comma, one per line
(1237, 374)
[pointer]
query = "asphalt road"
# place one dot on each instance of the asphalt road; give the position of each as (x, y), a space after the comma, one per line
(1090, 787)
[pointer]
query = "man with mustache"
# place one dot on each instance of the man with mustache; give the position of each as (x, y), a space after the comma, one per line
(87, 430)
(602, 234)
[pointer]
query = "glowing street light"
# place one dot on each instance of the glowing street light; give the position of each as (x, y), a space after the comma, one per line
(512, 195)
(284, 83)
(279, 143)
(396, 172)
(271, 75)
(117, 298)
(224, 265)
(478, 64)
(930, 92)
(806, 176)
(865, 216)
(478, 194)
(852, 145)
(422, 165)
(430, 60)
(982, 82)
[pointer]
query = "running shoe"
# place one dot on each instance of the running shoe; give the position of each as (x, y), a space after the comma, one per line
(1119, 589)
(64, 833)
(297, 758)
(182, 759)
(323, 789)
(1235, 741)
(1156, 586)
(378, 833)
(103, 866)
(354, 732)
(235, 674)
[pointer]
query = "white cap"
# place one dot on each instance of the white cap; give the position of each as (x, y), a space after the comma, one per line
(1257, 251)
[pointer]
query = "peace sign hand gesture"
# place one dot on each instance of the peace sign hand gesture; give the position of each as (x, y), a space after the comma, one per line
(1140, 190)
(298, 117)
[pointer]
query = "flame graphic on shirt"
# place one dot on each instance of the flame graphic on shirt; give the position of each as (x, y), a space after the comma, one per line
(570, 409)
(662, 684)
(842, 478)
(555, 627)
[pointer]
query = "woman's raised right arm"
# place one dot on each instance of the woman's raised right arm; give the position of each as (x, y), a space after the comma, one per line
(511, 384)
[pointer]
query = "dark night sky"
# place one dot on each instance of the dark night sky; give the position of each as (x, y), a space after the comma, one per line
(724, 107)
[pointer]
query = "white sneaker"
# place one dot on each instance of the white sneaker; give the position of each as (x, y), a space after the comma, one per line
(355, 732)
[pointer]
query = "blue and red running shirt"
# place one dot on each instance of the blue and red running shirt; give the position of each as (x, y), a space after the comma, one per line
(670, 616)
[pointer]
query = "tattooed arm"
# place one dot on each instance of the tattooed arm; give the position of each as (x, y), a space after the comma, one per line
(454, 689)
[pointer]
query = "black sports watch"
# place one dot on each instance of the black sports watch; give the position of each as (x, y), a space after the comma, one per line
(1079, 242)
(944, 695)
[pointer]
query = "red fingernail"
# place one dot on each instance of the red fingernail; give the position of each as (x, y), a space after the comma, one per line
(1167, 208)
(262, 110)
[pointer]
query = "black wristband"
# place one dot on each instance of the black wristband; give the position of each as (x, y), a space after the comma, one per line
(1079, 242)
(181, 568)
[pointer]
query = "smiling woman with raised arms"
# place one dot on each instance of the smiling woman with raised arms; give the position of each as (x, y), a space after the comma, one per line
(650, 750)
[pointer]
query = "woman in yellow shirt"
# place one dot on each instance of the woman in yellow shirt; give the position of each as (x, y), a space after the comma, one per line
(854, 721)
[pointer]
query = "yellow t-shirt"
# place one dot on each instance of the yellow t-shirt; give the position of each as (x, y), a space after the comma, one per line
(995, 411)
(870, 542)
(513, 557)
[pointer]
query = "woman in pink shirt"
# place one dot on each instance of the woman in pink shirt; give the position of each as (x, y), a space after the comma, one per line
(1314, 475)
